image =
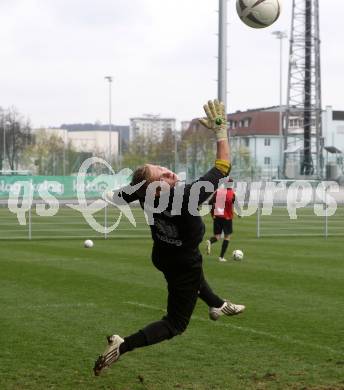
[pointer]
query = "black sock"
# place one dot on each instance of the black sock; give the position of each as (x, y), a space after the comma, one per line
(224, 247)
(153, 333)
(213, 239)
(133, 341)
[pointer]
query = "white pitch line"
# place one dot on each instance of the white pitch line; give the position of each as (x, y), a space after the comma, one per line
(57, 305)
(250, 330)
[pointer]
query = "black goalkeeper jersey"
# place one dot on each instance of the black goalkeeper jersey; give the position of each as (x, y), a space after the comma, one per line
(184, 232)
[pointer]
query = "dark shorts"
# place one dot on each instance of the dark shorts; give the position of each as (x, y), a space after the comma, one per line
(185, 283)
(223, 225)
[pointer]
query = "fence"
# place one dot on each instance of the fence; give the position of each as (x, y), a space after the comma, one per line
(70, 222)
(321, 214)
(47, 207)
(38, 220)
(279, 223)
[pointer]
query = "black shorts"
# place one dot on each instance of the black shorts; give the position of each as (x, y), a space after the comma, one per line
(223, 225)
(186, 283)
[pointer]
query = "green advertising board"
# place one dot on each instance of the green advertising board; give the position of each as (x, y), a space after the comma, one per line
(62, 187)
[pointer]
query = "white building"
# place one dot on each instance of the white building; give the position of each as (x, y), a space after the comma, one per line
(333, 128)
(185, 125)
(92, 141)
(257, 132)
(255, 142)
(333, 133)
(151, 126)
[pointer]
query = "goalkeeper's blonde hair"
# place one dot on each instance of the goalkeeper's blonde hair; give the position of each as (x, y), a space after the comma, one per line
(141, 173)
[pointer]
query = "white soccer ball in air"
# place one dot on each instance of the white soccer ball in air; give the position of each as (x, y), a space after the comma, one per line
(238, 255)
(258, 13)
(88, 244)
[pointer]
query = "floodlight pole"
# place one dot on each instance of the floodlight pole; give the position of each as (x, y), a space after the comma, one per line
(222, 54)
(280, 35)
(4, 147)
(6, 126)
(120, 147)
(109, 79)
(175, 150)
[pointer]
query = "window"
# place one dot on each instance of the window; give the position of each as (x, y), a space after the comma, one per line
(293, 123)
(247, 142)
(267, 160)
(267, 142)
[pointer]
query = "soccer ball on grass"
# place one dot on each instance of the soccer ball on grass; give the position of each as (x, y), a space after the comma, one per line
(238, 255)
(88, 244)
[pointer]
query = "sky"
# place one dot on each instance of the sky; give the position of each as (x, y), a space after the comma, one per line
(161, 54)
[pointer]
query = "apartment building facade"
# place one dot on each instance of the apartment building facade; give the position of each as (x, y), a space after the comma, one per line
(150, 126)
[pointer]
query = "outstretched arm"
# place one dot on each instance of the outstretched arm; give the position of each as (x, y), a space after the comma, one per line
(216, 121)
(222, 150)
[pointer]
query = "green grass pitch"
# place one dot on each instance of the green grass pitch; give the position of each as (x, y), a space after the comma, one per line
(59, 300)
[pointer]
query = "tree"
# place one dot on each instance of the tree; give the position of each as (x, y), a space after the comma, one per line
(165, 155)
(199, 146)
(140, 151)
(48, 155)
(144, 150)
(243, 165)
(15, 135)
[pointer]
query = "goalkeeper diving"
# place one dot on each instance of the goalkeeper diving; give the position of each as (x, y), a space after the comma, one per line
(176, 240)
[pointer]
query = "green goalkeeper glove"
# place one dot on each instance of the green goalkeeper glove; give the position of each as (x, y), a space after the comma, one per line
(216, 119)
